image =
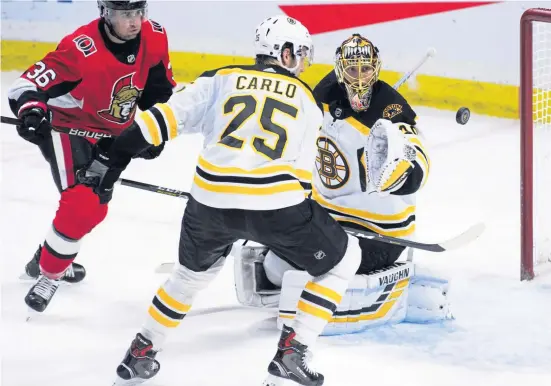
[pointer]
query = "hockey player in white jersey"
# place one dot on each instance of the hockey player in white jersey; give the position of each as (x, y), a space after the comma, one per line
(260, 125)
(371, 161)
(370, 165)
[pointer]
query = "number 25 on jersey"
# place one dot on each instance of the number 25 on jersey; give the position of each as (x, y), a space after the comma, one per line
(249, 105)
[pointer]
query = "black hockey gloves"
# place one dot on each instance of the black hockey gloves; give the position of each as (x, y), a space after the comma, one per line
(151, 152)
(103, 170)
(35, 126)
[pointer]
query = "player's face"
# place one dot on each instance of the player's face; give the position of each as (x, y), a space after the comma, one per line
(301, 65)
(360, 75)
(301, 60)
(127, 24)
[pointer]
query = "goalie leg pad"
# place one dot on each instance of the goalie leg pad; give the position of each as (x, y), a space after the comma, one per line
(252, 285)
(428, 299)
(370, 300)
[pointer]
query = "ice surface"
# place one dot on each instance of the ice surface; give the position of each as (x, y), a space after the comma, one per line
(501, 335)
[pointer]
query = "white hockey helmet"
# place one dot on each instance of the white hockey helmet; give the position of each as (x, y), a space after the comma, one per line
(279, 32)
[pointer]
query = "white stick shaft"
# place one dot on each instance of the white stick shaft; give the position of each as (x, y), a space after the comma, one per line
(430, 53)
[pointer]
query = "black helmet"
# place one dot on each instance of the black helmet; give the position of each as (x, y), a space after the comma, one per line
(107, 10)
(121, 5)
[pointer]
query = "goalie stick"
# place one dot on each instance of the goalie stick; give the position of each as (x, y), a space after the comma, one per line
(468, 236)
(456, 242)
(429, 54)
(471, 234)
(464, 238)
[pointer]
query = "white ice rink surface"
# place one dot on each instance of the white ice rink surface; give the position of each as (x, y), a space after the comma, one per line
(501, 335)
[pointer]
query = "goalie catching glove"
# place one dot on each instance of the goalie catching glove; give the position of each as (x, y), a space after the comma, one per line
(389, 156)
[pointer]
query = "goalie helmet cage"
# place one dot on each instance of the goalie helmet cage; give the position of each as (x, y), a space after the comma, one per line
(535, 125)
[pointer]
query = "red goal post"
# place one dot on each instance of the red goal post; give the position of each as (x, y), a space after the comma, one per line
(535, 124)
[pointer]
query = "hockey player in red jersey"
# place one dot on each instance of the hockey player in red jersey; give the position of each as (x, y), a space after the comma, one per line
(87, 89)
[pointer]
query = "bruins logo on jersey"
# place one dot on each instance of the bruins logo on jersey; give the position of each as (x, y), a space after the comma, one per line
(124, 99)
(392, 110)
(331, 165)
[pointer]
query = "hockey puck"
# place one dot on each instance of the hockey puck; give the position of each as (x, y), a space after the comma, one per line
(462, 116)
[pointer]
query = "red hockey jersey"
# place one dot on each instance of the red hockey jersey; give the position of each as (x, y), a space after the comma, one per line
(89, 90)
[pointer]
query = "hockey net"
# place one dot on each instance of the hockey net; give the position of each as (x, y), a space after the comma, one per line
(535, 120)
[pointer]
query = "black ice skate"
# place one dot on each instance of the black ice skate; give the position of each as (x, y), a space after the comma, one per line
(139, 364)
(289, 365)
(41, 293)
(73, 274)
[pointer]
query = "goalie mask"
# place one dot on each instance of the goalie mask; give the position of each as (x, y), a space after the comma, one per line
(357, 66)
(123, 18)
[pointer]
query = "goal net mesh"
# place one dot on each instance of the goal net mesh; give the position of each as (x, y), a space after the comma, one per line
(542, 141)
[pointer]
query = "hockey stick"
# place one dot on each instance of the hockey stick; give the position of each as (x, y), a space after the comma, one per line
(123, 181)
(429, 54)
(468, 236)
(154, 188)
(61, 129)
(464, 238)
(10, 121)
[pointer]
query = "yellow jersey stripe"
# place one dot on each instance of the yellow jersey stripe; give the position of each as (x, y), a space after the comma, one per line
(276, 169)
(304, 175)
(171, 302)
(152, 127)
(358, 125)
(352, 121)
(402, 232)
(171, 119)
(321, 290)
(362, 213)
(251, 190)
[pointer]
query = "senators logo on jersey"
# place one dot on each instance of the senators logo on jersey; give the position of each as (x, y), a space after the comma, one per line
(124, 100)
(331, 165)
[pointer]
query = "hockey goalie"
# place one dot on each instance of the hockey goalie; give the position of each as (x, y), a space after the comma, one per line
(370, 165)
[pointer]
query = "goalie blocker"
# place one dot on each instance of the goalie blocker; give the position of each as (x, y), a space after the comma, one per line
(400, 292)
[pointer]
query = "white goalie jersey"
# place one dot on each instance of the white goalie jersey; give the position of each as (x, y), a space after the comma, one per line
(260, 126)
(340, 179)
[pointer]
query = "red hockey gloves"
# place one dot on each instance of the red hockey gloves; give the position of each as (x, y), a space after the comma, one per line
(103, 170)
(35, 117)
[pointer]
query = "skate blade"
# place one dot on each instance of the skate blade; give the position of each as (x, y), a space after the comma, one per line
(272, 380)
(130, 382)
(31, 314)
(26, 277)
